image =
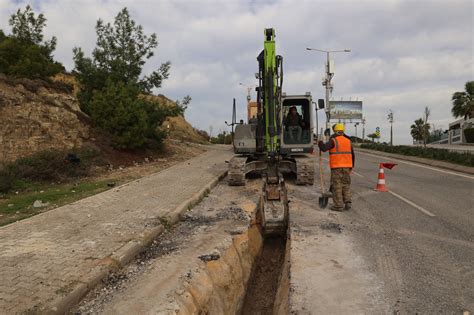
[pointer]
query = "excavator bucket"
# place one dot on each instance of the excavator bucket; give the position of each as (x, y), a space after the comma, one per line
(274, 208)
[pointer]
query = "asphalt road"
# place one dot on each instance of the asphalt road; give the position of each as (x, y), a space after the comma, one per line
(418, 238)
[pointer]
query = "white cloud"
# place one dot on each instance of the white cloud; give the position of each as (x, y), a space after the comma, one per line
(405, 54)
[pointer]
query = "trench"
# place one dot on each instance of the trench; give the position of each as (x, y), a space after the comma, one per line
(249, 274)
(268, 285)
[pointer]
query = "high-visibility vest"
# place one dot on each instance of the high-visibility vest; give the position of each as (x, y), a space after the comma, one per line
(341, 155)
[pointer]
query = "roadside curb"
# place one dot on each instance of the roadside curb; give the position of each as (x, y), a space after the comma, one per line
(121, 257)
(435, 163)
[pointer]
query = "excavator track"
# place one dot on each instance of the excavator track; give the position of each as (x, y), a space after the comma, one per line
(236, 174)
(304, 171)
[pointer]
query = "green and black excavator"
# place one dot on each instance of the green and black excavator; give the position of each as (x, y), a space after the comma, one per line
(277, 139)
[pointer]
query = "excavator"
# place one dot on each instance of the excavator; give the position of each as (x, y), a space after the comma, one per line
(268, 144)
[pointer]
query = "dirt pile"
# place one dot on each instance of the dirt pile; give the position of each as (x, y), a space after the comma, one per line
(180, 129)
(38, 115)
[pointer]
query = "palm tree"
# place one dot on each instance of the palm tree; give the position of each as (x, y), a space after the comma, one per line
(463, 102)
(420, 130)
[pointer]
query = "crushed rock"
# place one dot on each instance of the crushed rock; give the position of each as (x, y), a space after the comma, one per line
(332, 226)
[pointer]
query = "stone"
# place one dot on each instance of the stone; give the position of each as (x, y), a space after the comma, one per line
(40, 204)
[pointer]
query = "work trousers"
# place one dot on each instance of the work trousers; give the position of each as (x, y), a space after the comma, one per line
(299, 133)
(341, 186)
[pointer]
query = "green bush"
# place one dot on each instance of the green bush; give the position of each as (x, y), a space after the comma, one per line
(6, 181)
(222, 138)
(48, 166)
(131, 120)
(112, 86)
(24, 53)
(23, 59)
(429, 153)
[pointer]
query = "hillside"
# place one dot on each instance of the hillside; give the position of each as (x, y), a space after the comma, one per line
(179, 128)
(37, 115)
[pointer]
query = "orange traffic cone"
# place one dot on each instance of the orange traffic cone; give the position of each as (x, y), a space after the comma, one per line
(381, 180)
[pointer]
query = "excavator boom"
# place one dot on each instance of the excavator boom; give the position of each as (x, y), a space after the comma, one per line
(274, 200)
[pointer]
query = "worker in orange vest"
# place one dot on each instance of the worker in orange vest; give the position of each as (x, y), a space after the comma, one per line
(341, 162)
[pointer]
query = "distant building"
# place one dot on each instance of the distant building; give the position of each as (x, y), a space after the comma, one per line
(457, 132)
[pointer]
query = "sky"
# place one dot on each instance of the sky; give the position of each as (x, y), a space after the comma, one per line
(405, 55)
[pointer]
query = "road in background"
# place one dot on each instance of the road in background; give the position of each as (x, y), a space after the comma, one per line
(419, 239)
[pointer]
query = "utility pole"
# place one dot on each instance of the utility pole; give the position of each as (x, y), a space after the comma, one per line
(355, 125)
(327, 80)
(390, 120)
(363, 129)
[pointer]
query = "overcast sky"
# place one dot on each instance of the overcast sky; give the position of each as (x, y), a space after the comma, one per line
(405, 54)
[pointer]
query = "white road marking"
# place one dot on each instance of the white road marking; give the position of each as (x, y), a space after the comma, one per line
(411, 203)
(419, 165)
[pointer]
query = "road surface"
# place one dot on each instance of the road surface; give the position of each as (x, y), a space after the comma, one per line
(419, 237)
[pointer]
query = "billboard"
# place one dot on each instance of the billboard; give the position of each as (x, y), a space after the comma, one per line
(351, 110)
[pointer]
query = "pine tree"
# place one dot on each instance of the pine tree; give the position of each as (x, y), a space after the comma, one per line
(113, 88)
(23, 53)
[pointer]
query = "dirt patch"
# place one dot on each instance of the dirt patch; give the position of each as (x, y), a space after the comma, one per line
(131, 165)
(178, 128)
(171, 241)
(332, 226)
(122, 167)
(265, 280)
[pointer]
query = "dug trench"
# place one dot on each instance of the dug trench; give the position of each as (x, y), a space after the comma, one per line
(214, 261)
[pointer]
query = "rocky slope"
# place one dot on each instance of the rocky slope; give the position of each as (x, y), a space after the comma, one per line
(36, 116)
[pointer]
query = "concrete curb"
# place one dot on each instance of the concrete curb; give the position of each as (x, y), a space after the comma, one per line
(124, 254)
(176, 215)
(435, 163)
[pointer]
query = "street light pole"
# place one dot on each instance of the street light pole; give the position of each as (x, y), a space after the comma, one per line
(390, 119)
(363, 129)
(327, 80)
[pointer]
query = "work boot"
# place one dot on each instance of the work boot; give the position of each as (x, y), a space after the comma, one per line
(334, 208)
(348, 206)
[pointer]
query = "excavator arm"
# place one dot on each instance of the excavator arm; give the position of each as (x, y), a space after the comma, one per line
(269, 93)
(274, 197)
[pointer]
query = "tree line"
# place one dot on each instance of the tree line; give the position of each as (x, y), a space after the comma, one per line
(462, 106)
(113, 90)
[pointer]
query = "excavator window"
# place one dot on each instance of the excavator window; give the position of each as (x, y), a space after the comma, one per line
(296, 121)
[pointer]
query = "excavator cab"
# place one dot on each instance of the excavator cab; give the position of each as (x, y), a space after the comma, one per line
(297, 125)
